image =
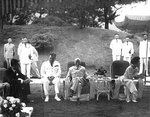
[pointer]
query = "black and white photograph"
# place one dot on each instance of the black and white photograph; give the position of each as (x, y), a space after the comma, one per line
(74, 58)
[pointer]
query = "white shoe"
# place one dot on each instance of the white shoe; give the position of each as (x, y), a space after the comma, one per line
(134, 101)
(46, 99)
(127, 100)
(57, 99)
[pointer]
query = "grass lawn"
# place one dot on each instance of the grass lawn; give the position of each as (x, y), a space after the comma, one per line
(92, 46)
(102, 108)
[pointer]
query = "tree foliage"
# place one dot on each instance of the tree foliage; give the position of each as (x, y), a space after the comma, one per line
(84, 12)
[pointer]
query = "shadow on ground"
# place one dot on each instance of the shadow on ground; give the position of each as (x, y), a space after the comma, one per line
(93, 108)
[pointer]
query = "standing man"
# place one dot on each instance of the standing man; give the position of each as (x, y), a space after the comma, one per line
(9, 52)
(144, 53)
(116, 47)
(127, 49)
(34, 62)
(50, 74)
(25, 56)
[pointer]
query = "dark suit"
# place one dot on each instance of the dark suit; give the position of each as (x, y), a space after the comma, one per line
(17, 89)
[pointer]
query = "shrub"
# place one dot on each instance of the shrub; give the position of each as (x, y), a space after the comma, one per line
(50, 21)
(43, 41)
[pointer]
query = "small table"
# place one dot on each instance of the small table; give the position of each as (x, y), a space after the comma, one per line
(99, 85)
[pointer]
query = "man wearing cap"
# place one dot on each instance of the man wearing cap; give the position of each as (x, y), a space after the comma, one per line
(50, 74)
(144, 54)
(9, 52)
(116, 47)
(19, 83)
(76, 75)
(127, 49)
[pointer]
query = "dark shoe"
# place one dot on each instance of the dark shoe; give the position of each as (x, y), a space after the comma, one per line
(71, 93)
(78, 101)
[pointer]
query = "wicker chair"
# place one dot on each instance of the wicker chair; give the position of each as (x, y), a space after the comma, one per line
(117, 69)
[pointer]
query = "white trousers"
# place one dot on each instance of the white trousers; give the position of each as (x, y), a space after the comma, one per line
(143, 62)
(46, 87)
(25, 69)
(77, 85)
(116, 57)
(130, 88)
(35, 70)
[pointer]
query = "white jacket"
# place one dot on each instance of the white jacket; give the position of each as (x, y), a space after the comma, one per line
(116, 46)
(25, 52)
(47, 70)
(35, 54)
(142, 48)
(127, 49)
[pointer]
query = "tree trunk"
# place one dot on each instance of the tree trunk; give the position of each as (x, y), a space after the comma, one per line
(1, 17)
(106, 17)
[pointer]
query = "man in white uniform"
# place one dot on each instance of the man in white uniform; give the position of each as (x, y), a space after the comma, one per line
(50, 74)
(127, 50)
(25, 56)
(19, 47)
(116, 46)
(9, 52)
(144, 53)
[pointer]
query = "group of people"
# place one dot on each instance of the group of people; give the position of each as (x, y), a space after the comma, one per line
(17, 76)
(28, 56)
(18, 73)
(138, 65)
(126, 50)
(51, 73)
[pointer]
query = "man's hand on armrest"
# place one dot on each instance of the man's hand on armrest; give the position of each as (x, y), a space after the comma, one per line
(142, 76)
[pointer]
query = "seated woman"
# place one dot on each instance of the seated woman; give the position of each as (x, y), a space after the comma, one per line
(76, 76)
(19, 83)
(130, 74)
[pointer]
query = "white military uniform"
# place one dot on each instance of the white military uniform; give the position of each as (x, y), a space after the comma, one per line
(127, 51)
(116, 46)
(143, 48)
(46, 71)
(25, 55)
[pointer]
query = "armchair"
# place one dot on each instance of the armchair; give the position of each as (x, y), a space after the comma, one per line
(117, 69)
(118, 89)
(85, 88)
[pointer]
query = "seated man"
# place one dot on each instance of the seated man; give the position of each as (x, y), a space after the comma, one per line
(130, 74)
(76, 75)
(19, 83)
(50, 74)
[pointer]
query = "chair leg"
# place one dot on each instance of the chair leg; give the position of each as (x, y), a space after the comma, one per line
(108, 96)
(97, 96)
(42, 91)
